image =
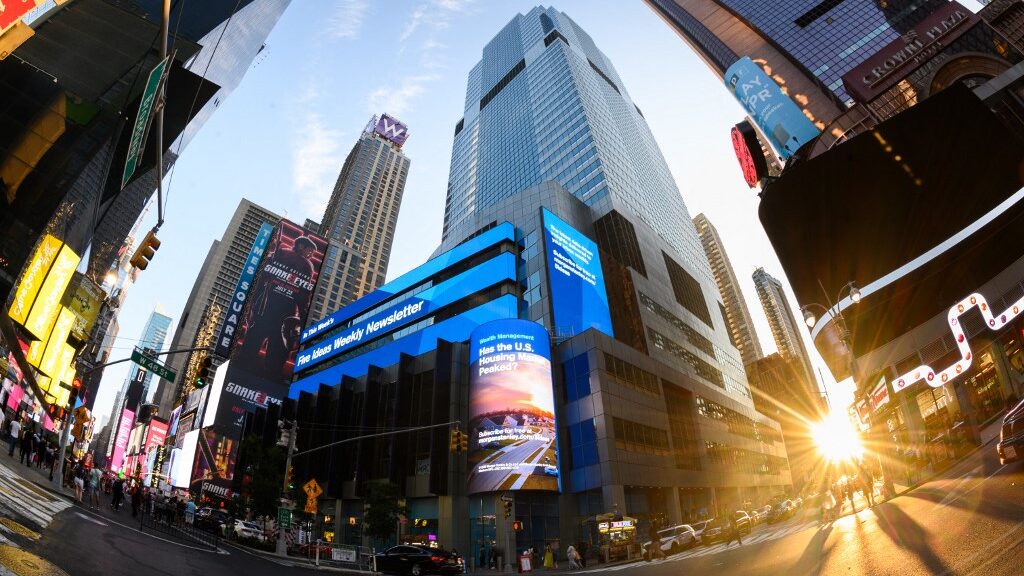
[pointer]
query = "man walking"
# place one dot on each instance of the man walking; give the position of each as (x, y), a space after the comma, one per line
(95, 480)
(15, 434)
(734, 531)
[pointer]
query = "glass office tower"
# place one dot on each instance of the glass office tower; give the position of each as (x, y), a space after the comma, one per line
(545, 104)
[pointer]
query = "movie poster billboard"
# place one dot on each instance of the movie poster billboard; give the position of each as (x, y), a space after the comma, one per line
(578, 297)
(214, 467)
(237, 306)
(124, 430)
(512, 443)
(268, 335)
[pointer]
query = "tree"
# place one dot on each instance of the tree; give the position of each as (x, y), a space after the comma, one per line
(382, 510)
(265, 466)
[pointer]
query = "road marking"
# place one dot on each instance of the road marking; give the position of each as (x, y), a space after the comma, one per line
(23, 498)
(91, 519)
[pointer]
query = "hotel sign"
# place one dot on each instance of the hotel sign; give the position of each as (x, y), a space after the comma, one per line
(897, 60)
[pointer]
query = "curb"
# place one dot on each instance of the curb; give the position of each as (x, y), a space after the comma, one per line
(298, 561)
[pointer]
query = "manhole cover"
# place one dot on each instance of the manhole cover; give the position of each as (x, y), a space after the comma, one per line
(19, 529)
(25, 563)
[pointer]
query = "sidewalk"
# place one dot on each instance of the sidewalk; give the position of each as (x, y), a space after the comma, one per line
(989, 434)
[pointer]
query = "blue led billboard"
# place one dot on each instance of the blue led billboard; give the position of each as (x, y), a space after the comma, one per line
(578, 297)
(778, 117)
(407, 310)
(512, 428)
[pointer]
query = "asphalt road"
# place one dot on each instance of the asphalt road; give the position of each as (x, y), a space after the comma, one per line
(517, 455)
(969, 520)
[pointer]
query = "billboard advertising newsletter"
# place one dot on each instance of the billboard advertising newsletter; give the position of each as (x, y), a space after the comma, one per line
(578, 297)
(511, 408)
(268, 336)
(779, 118)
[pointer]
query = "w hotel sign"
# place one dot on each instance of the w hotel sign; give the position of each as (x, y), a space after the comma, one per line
(391, 129)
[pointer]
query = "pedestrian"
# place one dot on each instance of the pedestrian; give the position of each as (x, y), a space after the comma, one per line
(190, 514)
(118, 490)
(573, 556)
(492, 559)
(654, 546)
(38, 448)
(136, 499)
(25, 456)
(78, 473)
(95, 480)
(581, 550)
(549, 557)
(15, 432)
(734, 531)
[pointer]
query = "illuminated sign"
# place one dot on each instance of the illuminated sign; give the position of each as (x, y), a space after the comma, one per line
(124, 430)
(880, 395)
(899, 58)
(12, 11)
(47, 305)
(156, 435)
(781, 121)
(85, 300)
(749, 153)
(50, 362)
(996, 322)
(575, 278)
(234, 312)
(391, 129)
(33, 278)
(512, 444)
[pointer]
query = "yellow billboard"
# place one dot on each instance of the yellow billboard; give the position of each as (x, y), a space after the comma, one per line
(84, 298)
(52, 363)
(33, 278)
(47, 305)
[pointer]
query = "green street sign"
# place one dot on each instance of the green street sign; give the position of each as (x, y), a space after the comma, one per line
(142, 121)
(284, 519)
(153, 366)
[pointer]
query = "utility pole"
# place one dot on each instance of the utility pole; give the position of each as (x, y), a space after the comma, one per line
(282, 546)
(164, 26)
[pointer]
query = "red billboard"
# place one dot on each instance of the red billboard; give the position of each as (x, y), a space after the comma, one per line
(268, 336)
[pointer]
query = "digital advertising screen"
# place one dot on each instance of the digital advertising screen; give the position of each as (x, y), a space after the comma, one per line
(237, 306)
(124, 430)
(512, 443)
(268, 335)
(215, 463)
(578, 297)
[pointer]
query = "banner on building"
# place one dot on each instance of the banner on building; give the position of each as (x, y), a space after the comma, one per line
(779, 118)
(268, 336)
(234, 312)
(512, 442)
(124, 430)
(214, 468)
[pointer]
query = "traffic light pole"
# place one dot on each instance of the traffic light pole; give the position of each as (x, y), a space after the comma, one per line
(282, 546)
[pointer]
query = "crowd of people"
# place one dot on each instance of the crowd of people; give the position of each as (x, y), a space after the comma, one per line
(25, 437)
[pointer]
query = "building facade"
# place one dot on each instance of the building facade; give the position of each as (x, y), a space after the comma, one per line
(737, 315)
(208, 303)
(786, 329)
(359, 221)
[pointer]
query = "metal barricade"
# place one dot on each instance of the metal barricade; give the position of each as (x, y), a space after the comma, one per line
(165, 521)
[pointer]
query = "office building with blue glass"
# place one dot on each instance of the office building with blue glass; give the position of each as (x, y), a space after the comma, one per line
(561, 213)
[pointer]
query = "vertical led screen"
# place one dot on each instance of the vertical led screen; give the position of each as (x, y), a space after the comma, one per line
(124, 430)
(268, 336)
(578, 297)
(214, 467)
(511, 408)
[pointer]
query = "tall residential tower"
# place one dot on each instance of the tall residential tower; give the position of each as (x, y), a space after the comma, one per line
(785, 326)
(359, 221)
(737, 315)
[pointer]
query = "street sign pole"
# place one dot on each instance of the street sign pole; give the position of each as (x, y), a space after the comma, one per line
(282, 546)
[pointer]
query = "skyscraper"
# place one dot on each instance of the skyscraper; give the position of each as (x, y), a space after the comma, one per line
(359, 221)
(807, 45)
(204, 311)
(785, 327)
(737, 315)
(563, 115)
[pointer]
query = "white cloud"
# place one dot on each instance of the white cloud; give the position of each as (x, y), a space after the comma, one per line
(347, 20)
(398, 100)
(316, 160)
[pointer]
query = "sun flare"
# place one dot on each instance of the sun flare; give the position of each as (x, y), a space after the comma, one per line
(837, 439)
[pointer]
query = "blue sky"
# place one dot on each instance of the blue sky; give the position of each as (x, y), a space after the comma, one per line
(281, 137)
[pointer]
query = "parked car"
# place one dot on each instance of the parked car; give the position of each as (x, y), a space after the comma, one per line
(243, 529)
(672, 540)
(417, 560)
(698, 528)
(718, 529)
(212, 520)
(781, 511)
(1011, 436)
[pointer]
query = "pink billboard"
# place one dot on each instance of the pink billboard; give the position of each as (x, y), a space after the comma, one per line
(14, 398)
(124, 429)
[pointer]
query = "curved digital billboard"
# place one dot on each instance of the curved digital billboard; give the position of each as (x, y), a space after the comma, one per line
(512, 443)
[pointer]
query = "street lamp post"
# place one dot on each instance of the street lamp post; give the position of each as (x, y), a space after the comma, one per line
(836, 315)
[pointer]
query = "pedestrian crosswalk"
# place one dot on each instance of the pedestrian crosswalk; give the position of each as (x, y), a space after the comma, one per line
(765, 535)
(23, 499)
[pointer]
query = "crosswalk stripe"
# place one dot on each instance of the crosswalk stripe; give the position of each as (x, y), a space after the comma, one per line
(33, 502)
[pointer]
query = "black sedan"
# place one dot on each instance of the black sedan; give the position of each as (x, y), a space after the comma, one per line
(1011, 436)
(417, 560)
